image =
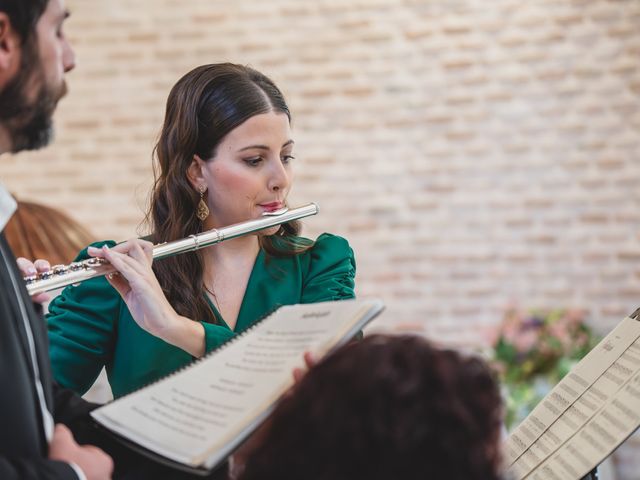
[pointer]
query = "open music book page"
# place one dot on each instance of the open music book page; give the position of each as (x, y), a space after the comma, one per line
(586, 416)
(200, 414)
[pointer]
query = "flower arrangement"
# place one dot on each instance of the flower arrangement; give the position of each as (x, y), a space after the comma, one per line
(533, 351)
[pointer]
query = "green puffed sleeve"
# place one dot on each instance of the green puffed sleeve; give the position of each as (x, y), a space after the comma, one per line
(81, 329)
(332, 271)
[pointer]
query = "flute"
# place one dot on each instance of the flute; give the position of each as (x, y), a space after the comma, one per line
(63, 275)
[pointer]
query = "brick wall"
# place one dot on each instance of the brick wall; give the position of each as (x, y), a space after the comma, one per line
(476, 153)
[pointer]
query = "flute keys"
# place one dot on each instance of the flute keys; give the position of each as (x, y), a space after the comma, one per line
(94, 262)
(46, 275)
(55, 270)
(59, 269)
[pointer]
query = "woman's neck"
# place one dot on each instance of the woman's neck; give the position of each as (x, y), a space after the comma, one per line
(230, 253)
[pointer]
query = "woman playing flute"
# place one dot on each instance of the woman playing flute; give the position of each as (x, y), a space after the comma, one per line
(224, 156)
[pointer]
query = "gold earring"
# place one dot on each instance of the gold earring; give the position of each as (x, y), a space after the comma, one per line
(202, 211)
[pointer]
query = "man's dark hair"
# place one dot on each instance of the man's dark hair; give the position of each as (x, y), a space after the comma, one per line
(23, 15)
(385, 408)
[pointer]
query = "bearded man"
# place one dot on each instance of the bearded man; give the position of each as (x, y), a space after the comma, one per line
(34, 57)
(45, 431)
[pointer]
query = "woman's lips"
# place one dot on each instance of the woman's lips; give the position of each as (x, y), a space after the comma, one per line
(270, 207)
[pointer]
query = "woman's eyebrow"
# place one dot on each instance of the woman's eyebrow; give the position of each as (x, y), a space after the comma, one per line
(265, 147)
(259, 147)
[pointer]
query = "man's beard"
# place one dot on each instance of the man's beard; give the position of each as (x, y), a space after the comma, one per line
(29, 123)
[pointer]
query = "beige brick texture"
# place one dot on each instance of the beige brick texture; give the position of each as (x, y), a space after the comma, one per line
(476, 153)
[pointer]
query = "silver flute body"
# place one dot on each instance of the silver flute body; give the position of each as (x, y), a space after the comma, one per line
(63, 275)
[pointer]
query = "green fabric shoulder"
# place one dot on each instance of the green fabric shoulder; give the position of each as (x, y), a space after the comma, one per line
(331, 270)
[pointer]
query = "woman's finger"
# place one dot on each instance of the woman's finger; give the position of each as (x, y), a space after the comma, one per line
(26, 267)
(310, 359)
(29, 269)
(118, 282)
(42, 265)
(141, 251)
(124, 264)
(136, 253)
(40, 298)
(95, 252)
(298, 374)
(133, 243)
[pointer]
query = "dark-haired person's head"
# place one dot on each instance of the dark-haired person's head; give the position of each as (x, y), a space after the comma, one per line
(385, 408)
(224, 124)
(34, 57)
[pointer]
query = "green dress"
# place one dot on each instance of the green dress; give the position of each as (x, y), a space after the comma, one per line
(91, 327)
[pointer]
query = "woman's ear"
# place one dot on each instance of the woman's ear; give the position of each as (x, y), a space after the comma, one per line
(195, 172)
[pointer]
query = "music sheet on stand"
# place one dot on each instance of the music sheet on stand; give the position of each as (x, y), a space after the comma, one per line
(586, 416)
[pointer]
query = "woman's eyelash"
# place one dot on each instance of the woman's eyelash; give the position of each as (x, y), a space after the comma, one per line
(253, 162)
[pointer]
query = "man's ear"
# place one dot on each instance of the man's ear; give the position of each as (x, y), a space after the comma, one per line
(9, 48)
(195, 172)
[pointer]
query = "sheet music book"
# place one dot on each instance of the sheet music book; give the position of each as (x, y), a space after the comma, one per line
(586, 416)
(196, 417)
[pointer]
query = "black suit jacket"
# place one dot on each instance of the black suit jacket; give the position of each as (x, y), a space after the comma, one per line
(23, 446)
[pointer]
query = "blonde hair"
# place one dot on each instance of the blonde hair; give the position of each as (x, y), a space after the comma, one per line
(38, 231)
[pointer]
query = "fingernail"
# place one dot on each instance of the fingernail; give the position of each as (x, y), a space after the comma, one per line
(31, 271)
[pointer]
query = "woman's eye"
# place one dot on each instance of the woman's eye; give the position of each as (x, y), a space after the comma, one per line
(287, 158)
(253, 162)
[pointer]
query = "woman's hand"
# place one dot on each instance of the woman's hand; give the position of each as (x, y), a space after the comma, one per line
(309, 361)
(137, 285)
(28, 269)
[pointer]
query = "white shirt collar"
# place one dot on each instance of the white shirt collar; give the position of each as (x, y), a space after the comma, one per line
(8, 206)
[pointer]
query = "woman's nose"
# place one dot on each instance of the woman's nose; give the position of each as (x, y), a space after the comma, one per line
(279, 179)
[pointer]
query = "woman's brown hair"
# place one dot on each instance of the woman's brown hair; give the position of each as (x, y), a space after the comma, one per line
(38, 231)
(203, 107)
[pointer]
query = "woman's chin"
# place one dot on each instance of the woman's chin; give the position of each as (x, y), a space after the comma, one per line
(268, 231)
